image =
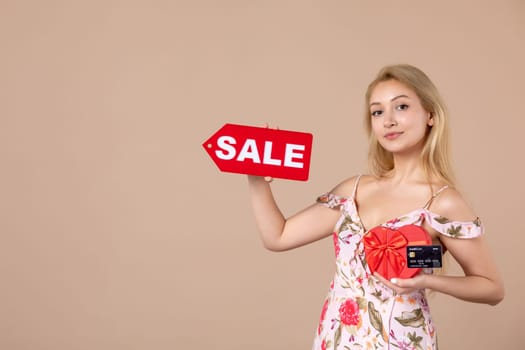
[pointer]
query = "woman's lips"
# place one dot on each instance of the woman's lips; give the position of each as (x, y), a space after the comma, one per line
(393, 135)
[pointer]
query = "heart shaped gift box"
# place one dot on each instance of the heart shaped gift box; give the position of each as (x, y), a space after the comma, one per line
(385, 249)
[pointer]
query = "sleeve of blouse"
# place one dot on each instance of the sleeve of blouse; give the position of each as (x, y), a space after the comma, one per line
(331, 200)
(455, 229)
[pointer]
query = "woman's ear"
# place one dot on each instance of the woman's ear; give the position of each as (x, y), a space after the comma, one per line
(430, 119)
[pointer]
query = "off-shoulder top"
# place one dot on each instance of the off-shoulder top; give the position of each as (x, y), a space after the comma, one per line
(446, 227)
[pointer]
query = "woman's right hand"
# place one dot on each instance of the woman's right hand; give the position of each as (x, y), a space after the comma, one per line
(269, 179)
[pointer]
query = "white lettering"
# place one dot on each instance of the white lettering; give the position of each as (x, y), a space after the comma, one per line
(289, 155)
(225, 144)
(249, 150)
(267, 158)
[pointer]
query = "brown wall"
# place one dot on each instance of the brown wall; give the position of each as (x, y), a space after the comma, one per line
(118, 232)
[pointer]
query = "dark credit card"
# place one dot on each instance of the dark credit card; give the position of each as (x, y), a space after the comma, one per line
(424, 256)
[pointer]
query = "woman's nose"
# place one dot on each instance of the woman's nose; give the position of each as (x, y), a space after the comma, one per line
(389, 119)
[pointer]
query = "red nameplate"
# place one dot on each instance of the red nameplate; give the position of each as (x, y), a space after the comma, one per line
(385, 249)
(261, 151)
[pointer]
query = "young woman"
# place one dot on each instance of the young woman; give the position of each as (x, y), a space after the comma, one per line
(410, 183)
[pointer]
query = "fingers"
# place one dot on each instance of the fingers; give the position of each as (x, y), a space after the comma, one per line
(392, 283)
(256, 178)
(267, 126)
(269, 179)
(399, 285)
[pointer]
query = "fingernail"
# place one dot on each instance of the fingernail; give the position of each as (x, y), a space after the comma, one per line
(393, 280)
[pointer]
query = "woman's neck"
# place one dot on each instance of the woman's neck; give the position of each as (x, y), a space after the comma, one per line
(407, 169)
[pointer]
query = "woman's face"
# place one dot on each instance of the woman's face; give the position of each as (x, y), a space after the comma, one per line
(398, 120)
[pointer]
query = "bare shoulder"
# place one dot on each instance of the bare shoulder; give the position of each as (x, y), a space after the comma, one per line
(346, 187)
(451, 204)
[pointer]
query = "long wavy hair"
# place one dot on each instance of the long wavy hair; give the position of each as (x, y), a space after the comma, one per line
(435, 156)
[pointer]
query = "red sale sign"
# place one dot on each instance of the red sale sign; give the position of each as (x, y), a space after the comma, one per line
(261, 151)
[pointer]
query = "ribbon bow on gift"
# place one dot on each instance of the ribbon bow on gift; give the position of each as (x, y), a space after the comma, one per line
(385, 249)
(382, 253)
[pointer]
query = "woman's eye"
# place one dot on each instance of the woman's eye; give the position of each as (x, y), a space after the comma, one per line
(402, 107)
(375, 113)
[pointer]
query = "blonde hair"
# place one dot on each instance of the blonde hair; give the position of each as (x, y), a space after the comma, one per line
(435, 154)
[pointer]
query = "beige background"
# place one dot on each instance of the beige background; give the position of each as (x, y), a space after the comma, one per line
(118, 232)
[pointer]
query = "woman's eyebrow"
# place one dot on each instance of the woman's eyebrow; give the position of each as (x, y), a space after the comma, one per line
(393, 99)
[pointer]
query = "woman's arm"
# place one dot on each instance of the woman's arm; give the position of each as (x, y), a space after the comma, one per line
(481, 282)
(279, 233)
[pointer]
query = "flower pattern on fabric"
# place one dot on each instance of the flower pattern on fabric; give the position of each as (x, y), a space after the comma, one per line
(323, 314)
(349, 313)
(336, 244)
(362, 313)
(454, 229)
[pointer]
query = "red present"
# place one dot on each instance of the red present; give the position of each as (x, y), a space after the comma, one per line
(385, 249)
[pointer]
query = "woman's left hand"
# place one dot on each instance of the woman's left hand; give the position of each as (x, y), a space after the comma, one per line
(403, 286)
